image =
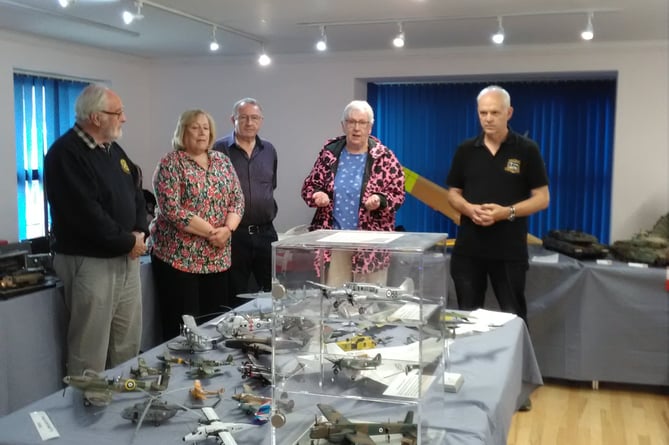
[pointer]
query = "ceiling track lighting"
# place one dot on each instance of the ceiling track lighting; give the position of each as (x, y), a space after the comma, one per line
(213, 46)
(588, 33)
(498, 37)
(398, 41)
(264, 59)
(129, 17)
(322, 44)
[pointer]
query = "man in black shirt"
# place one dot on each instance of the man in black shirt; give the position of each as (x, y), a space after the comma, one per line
(255, 161)
(496, 181)
(99, 223)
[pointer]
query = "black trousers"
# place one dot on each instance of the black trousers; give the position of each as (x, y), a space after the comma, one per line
(200, 295)
(470, 276)
(251, 257)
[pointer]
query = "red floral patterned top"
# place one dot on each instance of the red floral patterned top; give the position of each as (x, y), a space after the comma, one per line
(184, 189)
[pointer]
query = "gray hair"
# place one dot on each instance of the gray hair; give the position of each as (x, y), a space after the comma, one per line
(360, 105)
(506, 97)
(186, 118)
(93, 98)
(246, 101)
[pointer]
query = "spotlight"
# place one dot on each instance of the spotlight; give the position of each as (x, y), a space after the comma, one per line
(322, 44)
(498, 37)
(65, 3)
(214, 46)
(588, 33)
(129, 17)
(398, 41)
(264, 59)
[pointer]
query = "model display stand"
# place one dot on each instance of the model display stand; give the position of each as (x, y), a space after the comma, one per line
(373, 343)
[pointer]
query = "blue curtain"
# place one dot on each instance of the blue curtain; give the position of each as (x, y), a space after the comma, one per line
(44, 110)
(572, 121)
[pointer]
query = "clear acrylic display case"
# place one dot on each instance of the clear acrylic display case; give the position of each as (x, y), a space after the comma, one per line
(365, 346)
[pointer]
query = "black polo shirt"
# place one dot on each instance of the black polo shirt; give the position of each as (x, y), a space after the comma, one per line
(504, 179)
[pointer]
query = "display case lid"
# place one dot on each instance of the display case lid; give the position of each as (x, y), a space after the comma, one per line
(356, 239)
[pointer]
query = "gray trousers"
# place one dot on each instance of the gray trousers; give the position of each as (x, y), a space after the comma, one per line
(104, 298)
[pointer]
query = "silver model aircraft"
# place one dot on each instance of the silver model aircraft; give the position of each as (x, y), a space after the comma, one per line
(193, 339)
(212, 428)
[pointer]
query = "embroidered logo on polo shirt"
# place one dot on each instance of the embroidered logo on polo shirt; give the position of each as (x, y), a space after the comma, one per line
(124, 167)
(513, 166)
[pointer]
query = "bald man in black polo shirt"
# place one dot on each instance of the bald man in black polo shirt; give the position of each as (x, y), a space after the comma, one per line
(496, 181)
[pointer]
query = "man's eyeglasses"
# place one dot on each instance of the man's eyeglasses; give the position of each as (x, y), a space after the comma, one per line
(350, 123)
(113, 113)
(253, 118)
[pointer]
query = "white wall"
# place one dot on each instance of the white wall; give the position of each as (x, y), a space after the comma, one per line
(303, 97)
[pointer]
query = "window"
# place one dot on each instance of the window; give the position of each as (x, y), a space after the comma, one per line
(44, 109)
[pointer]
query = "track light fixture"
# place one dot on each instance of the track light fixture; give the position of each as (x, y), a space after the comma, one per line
(213, 46)
(65, 3)
(264, 59)
(398, 41)
(498, 37)
(129, 17)
(588, 33)
(322, 44)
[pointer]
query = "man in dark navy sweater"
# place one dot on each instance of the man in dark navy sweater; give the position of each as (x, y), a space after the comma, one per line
(99, 223)
(255, 161)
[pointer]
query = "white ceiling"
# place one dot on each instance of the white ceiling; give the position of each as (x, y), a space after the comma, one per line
(291, 26)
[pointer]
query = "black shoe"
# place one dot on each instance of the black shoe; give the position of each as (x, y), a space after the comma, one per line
(527, 406)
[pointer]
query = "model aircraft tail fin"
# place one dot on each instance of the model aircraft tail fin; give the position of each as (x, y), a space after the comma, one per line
(407, 286)
(408, 419)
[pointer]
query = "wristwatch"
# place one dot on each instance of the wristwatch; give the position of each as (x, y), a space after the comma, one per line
(512, 213)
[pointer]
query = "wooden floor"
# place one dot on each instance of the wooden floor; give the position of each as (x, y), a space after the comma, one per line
(568, 413)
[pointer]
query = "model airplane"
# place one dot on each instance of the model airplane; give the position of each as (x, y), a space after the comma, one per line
(338, 429)
(99, 390)
(355, 294)
(256, 345)
(261, 407)
(201, 368)
(354, 364)
(253, 369)
(212, 427)
(234, 324)
(194, 339)
(151, 410)
(143, 370)
(198, 393)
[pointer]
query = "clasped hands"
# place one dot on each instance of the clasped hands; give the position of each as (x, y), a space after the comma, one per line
(488, 214)
(219, 236)
(139, 248)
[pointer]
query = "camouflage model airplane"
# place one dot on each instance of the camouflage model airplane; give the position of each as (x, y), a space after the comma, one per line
(354, 364)
(202, 368)
(338, 429)
(143, 370)
(99, 390)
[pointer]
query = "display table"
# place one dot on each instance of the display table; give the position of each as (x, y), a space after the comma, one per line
(33, 329)
(499, 368)
(593, 322)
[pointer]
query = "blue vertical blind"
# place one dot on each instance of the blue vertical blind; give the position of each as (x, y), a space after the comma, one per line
(572, 121)
(44, 109)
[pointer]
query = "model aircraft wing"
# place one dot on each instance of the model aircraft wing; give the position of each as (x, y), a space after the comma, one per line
(189, 322)
(209, 413)
(226, 438)
(332, 414)
(359, 438)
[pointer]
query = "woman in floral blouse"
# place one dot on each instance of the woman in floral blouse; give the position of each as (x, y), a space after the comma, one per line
(200, 204)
